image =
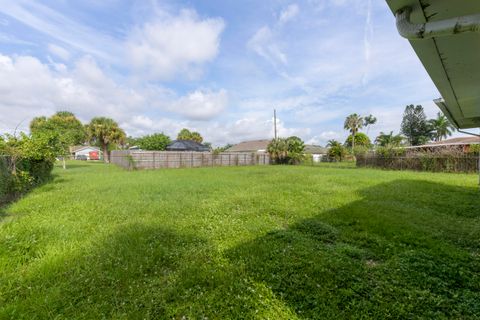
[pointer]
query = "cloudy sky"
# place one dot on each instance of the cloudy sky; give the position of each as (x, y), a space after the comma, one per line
(216, 66)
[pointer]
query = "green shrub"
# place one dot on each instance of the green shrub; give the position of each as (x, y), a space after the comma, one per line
(5, 177)
(286, 151)
(156, 141)
(337, 152)
(474, 148)
(25, 162)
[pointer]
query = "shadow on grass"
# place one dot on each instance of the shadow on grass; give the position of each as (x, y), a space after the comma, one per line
(405, 250)
(139, 272)
(8, 200)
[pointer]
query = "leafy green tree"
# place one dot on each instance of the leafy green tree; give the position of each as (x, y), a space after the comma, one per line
(289, 150)
(156, 141)
(368, 121)
(441, 127)
(38, 124)
(31, 160)
(389, 140)
(65, 125)
(353, 123)
(361, 139)
(104, 132)
(415, 126)
(186, 134)
(295, 149)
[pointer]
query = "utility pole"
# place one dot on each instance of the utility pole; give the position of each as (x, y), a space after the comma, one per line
(275, 123)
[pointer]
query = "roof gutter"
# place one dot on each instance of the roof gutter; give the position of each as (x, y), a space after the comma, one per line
(428, 30)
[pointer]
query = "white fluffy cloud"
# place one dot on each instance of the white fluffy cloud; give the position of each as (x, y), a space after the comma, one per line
(201, 105)
(31, 88)
(171, 44)
(323, 137)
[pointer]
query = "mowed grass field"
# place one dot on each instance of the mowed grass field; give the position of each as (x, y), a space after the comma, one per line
(274, 242)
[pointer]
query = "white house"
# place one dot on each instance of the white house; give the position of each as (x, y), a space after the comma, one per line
(85, 153)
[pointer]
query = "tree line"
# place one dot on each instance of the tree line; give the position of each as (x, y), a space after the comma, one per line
(102, 132)
(415, 130)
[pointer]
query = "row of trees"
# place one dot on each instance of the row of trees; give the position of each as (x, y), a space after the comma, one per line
(100, 131)
(418, 130)
(415, 129)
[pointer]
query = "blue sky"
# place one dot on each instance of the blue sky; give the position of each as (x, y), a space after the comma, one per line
(218, 67)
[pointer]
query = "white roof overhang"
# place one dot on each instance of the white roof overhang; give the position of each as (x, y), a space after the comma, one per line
(445, 35)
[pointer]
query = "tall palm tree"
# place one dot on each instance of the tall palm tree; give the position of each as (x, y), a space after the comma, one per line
(441, 127)
(368, 121)
(278, 149)
(105, 131)
(353, 123)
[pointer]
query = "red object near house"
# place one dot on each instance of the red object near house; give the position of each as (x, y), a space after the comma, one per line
(93, 155)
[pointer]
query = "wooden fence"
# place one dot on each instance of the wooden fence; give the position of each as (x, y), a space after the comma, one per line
(131, 159)
(467, 163)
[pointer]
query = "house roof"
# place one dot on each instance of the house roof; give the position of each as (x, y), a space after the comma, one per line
(186, 145)
(448, 50)
(74, 149)
(451, 142)
(313, 149)
(250, 146)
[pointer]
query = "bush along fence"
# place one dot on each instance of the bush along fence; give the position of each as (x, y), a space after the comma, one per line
(25, 162)
(468, 163)
(131, 160)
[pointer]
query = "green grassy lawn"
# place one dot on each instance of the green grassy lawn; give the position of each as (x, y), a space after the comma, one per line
(276, 242)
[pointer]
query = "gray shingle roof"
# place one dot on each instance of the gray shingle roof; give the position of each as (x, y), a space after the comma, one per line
(313, 149)
(187, 145)
(250, 146)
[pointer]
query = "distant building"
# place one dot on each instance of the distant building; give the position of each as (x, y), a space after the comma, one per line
(461, 143)
(259, 146)
(317, 152)
(187, 145)
(85, 153)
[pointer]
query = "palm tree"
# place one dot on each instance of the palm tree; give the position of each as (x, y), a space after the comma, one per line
(384, 140)
(105, 131)
(441, 127)
(184, 134)
(333, 143)
(368, 121)
(278, 149)
(353, 123)
(195, 136)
